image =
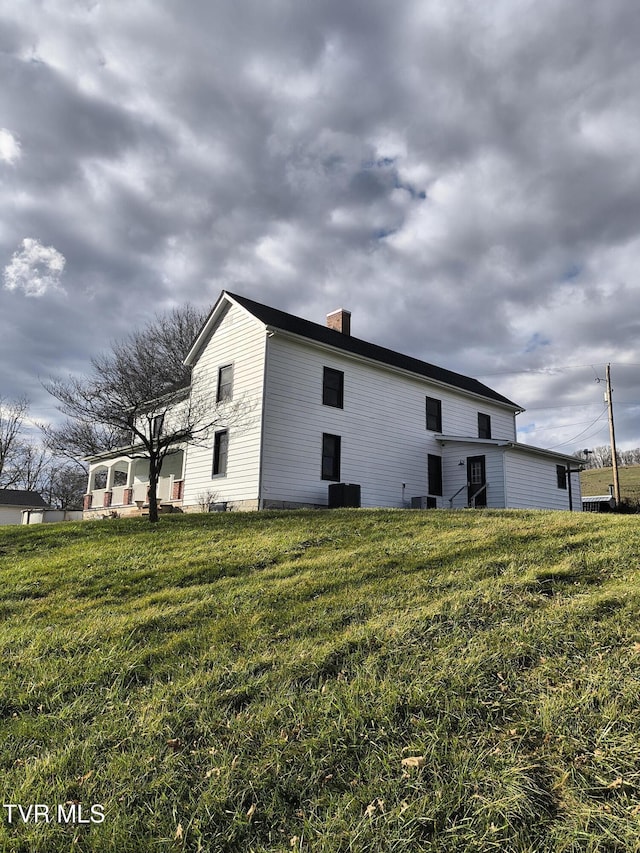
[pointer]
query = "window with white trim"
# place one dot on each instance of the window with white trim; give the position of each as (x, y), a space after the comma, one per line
(225, 383)
(220, 452)
(333, 388)
(331, 457)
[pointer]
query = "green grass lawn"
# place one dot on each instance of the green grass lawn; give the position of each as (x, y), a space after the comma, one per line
(352, 680)
(596, 481)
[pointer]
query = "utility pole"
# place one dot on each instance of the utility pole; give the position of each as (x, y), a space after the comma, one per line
(612, 436)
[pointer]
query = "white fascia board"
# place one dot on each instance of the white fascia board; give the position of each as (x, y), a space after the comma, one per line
(469, 439)
(512, 445)
(391, 368)
(131, 451)
(115, 453)
(223, 304)
(551, 454)
(218, 308)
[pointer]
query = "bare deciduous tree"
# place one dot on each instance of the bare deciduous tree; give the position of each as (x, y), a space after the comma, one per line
(63, 485)
(33, 462)
(27, 464)
(12, 415)
(75, 440)
(600, 457)
(141, 389)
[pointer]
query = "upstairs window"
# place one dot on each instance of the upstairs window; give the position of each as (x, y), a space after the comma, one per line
(561, 476)
(333, 388)
(156, 426)
(484, 426)
(434, 414)
(220, 448)
(330, 457)
(225, 383)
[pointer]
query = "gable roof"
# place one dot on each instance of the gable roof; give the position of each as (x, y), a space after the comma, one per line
(324, 335)
(16, 497)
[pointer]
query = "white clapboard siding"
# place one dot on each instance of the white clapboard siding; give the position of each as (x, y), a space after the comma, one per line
(532, 483)
(11, 514)
(238, 339)
(385, 442)
(454, 475)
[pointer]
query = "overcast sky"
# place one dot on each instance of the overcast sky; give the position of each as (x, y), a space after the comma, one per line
(463, 176)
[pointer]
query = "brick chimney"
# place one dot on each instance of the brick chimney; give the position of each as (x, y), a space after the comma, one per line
(340, 320)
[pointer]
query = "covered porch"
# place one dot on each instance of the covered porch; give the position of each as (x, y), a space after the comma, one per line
(120, 482)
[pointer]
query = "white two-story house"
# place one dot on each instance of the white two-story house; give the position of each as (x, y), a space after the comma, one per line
(324, 408)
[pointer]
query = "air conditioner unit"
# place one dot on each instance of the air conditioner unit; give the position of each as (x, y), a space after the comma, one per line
(423, 502)
(344, 495)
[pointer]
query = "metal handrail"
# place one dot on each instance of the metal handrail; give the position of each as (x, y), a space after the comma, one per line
(453, 497)
(472, 500)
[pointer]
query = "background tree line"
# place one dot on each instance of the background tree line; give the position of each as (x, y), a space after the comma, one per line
(600, 457)
(33, 464)
(139, 397)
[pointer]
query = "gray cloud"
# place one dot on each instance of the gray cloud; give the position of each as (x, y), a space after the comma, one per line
(464, 177)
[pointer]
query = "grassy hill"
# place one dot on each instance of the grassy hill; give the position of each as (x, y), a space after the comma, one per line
(596, 481)
(347, 681)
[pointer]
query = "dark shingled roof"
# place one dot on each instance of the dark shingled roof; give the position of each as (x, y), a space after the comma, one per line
(347, 343)
(15, 497)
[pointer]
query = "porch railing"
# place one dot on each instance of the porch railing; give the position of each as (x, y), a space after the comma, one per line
(169, 489)
(471, 502)
(117, 495)
(474, 496)
(453, 497)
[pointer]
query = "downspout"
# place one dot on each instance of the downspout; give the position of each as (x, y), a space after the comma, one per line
(504, 477)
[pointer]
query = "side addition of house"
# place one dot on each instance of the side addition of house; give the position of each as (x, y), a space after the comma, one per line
(322, 407)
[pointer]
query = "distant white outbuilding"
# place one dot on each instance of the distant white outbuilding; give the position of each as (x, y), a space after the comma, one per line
(14, 501)
(598, 503)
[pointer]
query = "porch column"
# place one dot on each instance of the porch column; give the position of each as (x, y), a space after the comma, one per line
(178, 486)
(110, 476)
(128, 492)
(88, 497)
(109, 488)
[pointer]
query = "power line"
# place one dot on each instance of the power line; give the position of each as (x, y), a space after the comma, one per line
(576, 406)
(559, 406)
(562, 443)
(557, 427)
(550, 371)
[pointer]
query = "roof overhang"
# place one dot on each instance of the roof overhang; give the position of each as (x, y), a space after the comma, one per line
(23, 507)
(511, 445)
(131, 451)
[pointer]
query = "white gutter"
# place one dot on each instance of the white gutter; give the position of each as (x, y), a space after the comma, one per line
(513, 445)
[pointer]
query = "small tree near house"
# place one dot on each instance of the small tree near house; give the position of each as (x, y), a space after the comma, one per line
(141, 397)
